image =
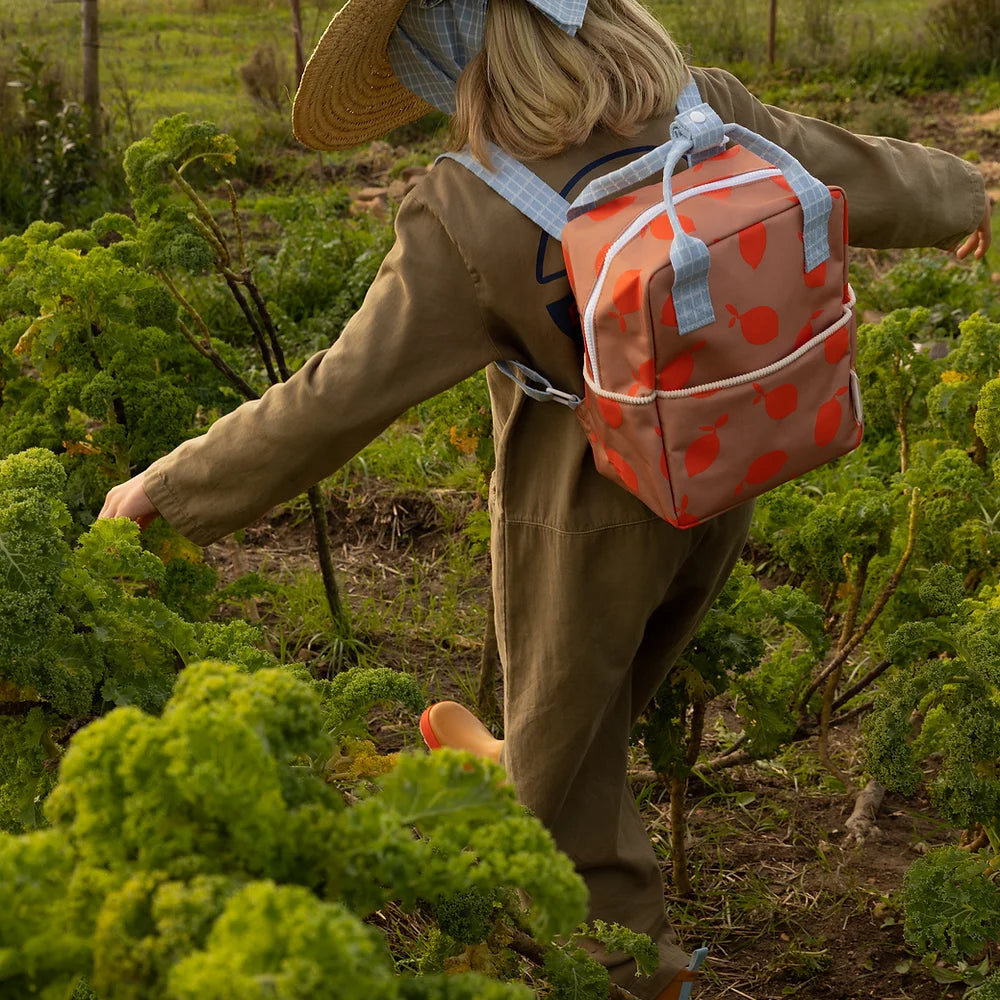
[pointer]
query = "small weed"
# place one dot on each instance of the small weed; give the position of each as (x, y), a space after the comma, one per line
(803, 961)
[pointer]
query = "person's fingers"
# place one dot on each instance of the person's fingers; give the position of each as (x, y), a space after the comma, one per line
(130, 500)
(979, 241)
(110, 504)
(971, 243)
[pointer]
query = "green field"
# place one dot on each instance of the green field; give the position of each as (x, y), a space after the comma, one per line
(162, 56)
(158, 58)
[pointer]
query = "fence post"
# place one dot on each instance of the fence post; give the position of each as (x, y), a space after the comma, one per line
(91, 80)
(772, 32)
(300, 58)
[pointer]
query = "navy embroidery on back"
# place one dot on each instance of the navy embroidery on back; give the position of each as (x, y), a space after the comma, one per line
(563, 311)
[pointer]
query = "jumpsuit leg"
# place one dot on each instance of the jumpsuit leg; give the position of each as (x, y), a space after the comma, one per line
(589, 624)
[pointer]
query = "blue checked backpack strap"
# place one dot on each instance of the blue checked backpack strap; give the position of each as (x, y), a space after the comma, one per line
(523, 188)
(532, 197)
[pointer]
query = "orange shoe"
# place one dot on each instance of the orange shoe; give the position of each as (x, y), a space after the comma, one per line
(683, 981)
(682, 984)
(448, 724)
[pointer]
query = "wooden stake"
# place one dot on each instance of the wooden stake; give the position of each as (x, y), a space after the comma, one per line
(300, 57)
(91, 81)
(772, 32)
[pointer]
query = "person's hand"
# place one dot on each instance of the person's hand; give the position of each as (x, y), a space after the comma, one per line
(130, 500)
(979, 242)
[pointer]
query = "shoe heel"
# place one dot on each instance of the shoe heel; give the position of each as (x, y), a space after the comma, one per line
(697, 958)
(427, 732)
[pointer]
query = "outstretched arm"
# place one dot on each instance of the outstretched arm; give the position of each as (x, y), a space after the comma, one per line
(419, 331)
(900, 194)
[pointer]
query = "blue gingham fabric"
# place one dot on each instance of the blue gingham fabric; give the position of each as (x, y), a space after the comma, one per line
(696, 133)
(524, 189)
(689, 257)
(435, 40)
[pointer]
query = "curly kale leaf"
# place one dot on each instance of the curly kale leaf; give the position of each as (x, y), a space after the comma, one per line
(615, 938)
(467, 916)
(915, 641)
(978, 351)
(47, 912)
(989, 990)
(279, 942)
(574, 975)
(987, 420)
(173, 144)
(963, 729)
(148, 924)
(942, 589)
(888, 731)
(349, 696)
(472, 834)
(945, 710)
(768, 697)
(978, 636)
(951, 405)
(38, 645)
(26, 768)
(952, 903)
(203, 788)
(895, 376)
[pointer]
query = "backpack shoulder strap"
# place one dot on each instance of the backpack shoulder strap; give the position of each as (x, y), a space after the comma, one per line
(515, 183)
(532, 197)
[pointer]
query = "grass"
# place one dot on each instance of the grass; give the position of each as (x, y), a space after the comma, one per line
(164, 58)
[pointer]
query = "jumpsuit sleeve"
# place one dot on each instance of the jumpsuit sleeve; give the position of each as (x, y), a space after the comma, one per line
(899, 194)
(418, 332)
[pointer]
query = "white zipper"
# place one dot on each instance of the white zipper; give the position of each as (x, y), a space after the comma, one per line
(634, 228)
(730, 383)
(723, 182)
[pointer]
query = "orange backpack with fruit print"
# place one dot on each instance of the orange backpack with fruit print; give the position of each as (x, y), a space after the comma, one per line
(718, 324)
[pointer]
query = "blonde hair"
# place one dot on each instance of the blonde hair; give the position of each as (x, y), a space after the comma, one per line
(534, 91)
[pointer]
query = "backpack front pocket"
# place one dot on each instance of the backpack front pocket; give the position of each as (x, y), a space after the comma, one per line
(726, 442)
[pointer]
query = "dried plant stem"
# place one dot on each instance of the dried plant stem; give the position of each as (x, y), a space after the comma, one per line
(233, 281)
(265, 316)
(238, 223)
(321, 532)
(876, 609)
(728, 760)
(203, 213)
(203, 345)
(860, 686)
(678, 791)
(833, 681)
(269, 350)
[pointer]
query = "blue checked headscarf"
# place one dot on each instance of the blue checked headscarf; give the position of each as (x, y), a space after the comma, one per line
(436, 39)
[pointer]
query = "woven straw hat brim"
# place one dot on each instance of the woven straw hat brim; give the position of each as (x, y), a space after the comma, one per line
(348, 93)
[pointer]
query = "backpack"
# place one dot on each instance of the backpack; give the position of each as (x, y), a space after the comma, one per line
(718, 323)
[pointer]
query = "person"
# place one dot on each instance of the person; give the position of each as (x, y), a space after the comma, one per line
(595, 597)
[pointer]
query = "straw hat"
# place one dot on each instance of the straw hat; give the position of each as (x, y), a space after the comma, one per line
(348, 93)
